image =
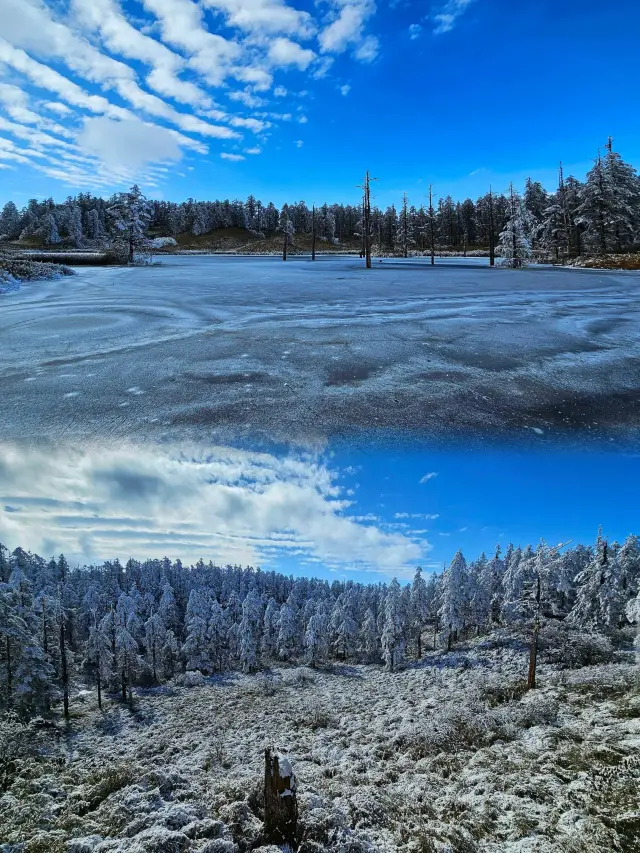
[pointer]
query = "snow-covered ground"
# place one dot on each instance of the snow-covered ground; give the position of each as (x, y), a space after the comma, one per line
(446, 756)
(222, 348)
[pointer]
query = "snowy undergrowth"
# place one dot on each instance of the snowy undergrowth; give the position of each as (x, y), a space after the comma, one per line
(451, 755)
(14, 270)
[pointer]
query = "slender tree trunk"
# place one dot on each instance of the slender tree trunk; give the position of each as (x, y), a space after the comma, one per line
(153, 658)
(284, 245)
(492, 236)
(419, 643)
(533, 658)
(9, 673)
(131, 250)
(313, 234)
(64, 668)
(45, 639)
(99, 688)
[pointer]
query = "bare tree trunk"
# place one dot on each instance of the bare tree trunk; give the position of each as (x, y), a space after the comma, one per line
(280, 802)
(533, 658)
(313, 234)
(432, 235)
(492, 236)
(64, 668)
(99, 688)
(419, 643)
(9, 673)
(284, 245)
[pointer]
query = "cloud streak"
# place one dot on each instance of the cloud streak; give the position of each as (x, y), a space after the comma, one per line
(226, 505)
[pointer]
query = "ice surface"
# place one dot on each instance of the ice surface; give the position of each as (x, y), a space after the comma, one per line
(225, 348)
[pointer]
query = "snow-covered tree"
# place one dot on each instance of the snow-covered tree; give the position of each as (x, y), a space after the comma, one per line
(454, 599)
(369, 644)
(287, 632)
(196, 646)
(393, 634)
(127, 659)
(130, 215)
(514, 244)
(98, 655)
(419, 608)
(270, 629)
(316, 639)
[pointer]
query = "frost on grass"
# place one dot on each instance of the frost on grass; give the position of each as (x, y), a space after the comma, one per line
(13, 270)
(448, 755)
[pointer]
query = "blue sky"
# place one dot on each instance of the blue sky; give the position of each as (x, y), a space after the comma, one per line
(354, 511)
(293, 99)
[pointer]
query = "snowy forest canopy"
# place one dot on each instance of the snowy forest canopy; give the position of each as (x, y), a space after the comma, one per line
(598, 216)
(146, 622)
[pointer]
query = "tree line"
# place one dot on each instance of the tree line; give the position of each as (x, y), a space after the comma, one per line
(143, 623)
(600, 215)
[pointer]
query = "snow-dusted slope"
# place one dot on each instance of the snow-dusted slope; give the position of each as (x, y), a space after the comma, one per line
(446, 756)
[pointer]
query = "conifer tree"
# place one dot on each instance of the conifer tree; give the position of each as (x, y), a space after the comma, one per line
(453, 605)
(514, 244)
(393, 634)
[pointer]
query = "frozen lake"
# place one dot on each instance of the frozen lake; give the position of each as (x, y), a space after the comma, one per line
(228, 349)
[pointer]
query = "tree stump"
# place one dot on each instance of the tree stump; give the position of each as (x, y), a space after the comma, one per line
(280, 802)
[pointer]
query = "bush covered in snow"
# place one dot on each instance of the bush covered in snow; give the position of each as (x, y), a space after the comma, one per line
(14, 269)
(163, 242)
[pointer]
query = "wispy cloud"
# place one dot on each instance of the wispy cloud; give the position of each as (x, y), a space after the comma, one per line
(171, 69)
(447, 16)
(226, 505)
(428, 477)
(415, 30)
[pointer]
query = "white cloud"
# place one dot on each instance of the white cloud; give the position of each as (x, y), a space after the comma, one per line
(368, 50)
(225, 505)
(119, 36)
(280, 92)
(233, 157)
(298, 143)
(254, 150)
(302, 119)
(415, 31)
(264, 16)
(344, 90)
(283, 52)
(446, 18)
(428, 476)
(346, 29)
(130, 143)
(57, 107)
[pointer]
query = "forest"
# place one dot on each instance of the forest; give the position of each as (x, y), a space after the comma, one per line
(597, 216)
(116, 626)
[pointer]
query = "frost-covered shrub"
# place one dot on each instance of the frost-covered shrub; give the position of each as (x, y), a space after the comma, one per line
(221, 845)
(87, 844)
(244, 825)
(15, 269)
(192, 678)
(159, 840)
(574, 649)
(17, 741)
(163, 242)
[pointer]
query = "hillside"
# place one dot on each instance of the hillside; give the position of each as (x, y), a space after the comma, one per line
(448, 755)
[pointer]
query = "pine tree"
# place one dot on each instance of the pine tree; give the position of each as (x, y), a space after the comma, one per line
(453, 605)
(270, 628)
(130, 215)
(287, 632)
(196, 646)
(369, 644)
(127, 660)
(393, 634)
(419, 608)
(514, 244)
(316, 637)
(98, 655)
(555, 229)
